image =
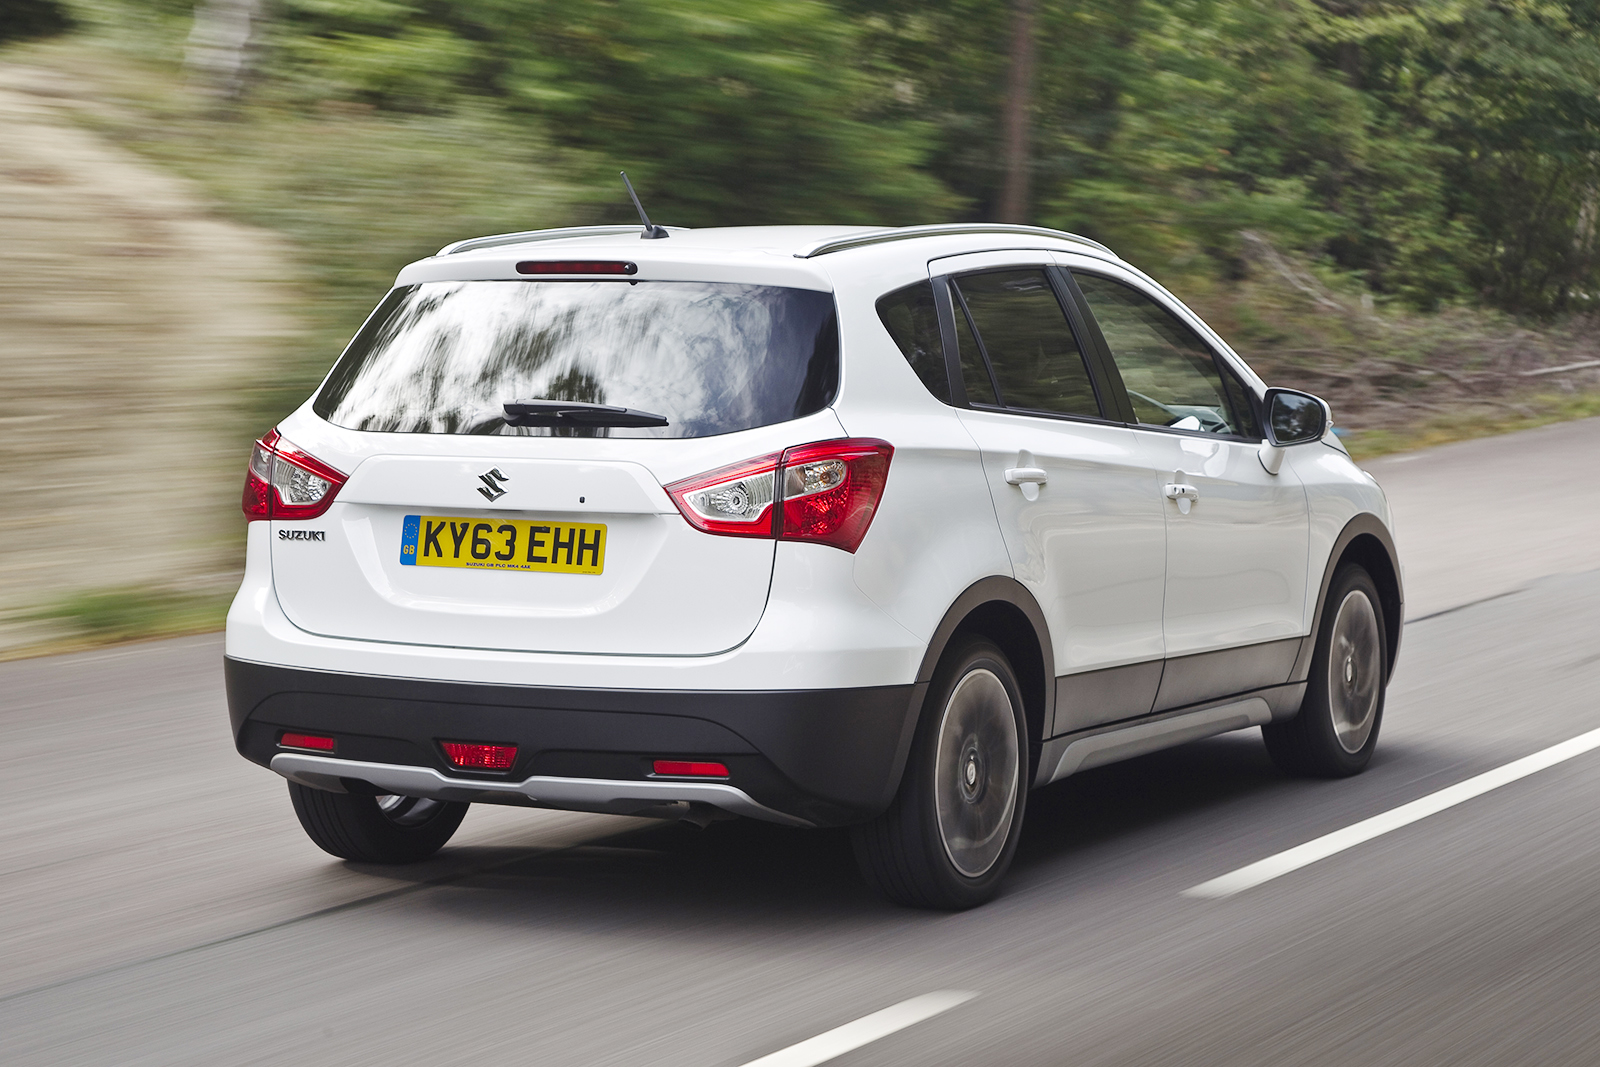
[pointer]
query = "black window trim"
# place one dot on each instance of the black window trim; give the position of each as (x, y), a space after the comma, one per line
(1114, 376)
(949, 302)
(958, 302)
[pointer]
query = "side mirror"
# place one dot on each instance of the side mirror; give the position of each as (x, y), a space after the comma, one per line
(1293, 418)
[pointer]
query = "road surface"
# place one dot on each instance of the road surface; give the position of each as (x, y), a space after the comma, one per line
(159, 904)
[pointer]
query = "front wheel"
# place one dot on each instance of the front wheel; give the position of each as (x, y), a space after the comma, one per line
(949, 836)
(367, 829)
(1336, 730)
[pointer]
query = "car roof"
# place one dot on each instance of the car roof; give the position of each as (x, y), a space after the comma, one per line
(801, 242)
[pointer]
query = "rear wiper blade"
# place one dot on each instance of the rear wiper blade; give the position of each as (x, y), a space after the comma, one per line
(576, 413)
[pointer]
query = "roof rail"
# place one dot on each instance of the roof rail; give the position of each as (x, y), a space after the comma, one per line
(906, 233)
(475, 243)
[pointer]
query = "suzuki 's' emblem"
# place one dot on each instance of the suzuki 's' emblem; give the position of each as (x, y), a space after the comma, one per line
(491, 484)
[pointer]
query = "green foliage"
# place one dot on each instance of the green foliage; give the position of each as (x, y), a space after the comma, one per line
(1437, 152)
(135, 613)
(725, 111)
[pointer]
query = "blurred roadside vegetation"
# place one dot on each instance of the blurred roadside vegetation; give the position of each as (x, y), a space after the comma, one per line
(1392, 203)
(130, 613)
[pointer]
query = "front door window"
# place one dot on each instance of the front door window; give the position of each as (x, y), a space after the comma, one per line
(1172, 377)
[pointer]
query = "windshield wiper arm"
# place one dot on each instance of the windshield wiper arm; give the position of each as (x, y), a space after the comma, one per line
(576, 413)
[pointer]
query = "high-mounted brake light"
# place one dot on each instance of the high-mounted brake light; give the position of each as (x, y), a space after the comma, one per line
(479, 757)
(575, 266)
(828, 492)
(285, 483)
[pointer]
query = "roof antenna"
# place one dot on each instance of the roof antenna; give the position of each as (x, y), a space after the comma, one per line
(651, 231)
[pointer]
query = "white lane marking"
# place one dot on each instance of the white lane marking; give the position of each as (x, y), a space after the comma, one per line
(865, 1030)
(1406, 814)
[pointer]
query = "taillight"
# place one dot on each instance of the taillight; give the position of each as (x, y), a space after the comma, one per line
(831, 490)
(285, 483)
(828, 492)
(734, 500)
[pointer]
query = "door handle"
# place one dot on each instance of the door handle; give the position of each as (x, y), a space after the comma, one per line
(1026, 475)
(1184, 493)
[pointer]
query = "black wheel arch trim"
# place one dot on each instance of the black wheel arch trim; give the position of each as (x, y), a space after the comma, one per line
(1365, 528)
(1039, 677)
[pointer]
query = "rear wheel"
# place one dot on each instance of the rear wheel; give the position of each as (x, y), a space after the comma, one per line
(948, 838)
(1336, 730)
(383, 829)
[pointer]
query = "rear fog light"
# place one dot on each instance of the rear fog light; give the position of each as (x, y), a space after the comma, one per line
(672, 768)
(472, 756)
(310, 741)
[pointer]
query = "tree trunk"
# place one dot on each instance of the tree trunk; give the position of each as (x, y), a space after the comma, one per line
(222, 45)
(1019, 103)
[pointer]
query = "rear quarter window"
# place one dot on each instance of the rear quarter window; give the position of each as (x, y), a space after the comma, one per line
(712, 357)
(912, 320)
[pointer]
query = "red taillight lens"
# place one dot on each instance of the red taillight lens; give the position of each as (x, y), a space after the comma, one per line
(831, 490)
(473, 756)
(312, 741)
(674, 768)
(829, 493)
(285, 483)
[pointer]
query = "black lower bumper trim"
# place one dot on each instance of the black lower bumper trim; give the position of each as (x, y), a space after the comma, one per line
(828, 756)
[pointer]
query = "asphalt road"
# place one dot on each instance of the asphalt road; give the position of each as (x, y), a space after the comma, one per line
(1485, 517)
(159, 905)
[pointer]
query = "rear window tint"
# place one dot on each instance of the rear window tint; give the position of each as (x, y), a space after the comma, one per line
(713, 357)
(912, 320)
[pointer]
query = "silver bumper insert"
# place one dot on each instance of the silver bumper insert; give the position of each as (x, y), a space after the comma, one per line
(617, 797)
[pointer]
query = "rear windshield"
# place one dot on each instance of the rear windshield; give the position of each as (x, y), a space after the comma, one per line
(712, 357)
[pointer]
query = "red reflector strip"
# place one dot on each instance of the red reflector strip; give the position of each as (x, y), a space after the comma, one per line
(575, 266)
(479, 757)
(311, 741)
(685, 769)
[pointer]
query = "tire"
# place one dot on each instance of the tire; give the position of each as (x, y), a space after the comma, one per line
(951, 832)
(1336, 730)
(371, 829)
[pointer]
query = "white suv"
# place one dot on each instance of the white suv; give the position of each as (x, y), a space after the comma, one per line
(819, 525)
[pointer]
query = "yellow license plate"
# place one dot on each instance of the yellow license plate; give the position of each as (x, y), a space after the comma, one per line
(503, 544)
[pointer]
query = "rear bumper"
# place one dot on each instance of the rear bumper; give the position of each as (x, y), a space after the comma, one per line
(818, 757)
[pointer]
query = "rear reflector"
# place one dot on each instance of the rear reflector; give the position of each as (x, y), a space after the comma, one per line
(479, 757)
(311, 741)
(673, 768)
(575, 266)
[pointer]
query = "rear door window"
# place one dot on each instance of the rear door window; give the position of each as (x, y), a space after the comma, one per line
(712, 357)
(1024, 334)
